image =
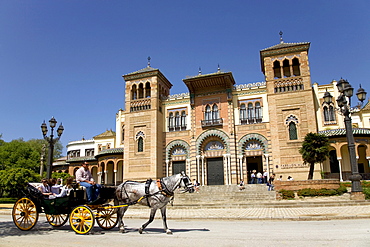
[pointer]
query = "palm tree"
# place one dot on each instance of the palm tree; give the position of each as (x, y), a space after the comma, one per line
(315, 149)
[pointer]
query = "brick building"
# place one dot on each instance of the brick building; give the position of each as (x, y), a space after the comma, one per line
(219, 130)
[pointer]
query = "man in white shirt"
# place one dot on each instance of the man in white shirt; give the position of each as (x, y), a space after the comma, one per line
(84, 177)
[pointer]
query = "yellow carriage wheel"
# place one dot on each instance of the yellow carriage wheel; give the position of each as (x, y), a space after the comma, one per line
(107, 217)
(57, 220)
(81, 219)
(25, 214)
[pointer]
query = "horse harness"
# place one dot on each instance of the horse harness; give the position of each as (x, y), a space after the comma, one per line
(162, 188)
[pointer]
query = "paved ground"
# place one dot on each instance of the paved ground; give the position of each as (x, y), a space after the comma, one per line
(199, 233)
(324, 208)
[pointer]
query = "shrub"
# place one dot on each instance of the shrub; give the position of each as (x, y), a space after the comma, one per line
(366, 191)
(8, 200)
(322, 192)
(346, 184)
(287, 194)
(365, 183)
(341, 190)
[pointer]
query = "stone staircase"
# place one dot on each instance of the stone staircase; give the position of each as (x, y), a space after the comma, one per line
(225, 196)
(253, 196)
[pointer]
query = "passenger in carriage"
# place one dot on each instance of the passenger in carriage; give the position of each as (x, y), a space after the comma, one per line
(45, 188)
(54, 186)
(84, 177)
(66, 188)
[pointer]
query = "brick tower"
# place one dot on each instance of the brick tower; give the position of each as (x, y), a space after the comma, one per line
(291, 104)
(143, 120)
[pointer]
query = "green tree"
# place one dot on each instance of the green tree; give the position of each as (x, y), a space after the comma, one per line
(13, 181)
(315, 149)
(61, 175)
(20, 158)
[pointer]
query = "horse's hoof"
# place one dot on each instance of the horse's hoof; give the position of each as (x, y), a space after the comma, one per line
(122, 231)
(169, 232)
(141, 230)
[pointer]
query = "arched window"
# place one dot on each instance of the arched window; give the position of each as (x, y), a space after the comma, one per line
(170, 122)
(208, 113)
(250, 112)
(243, 114)
(331, 113)
(215, 114)
(326, 114)
(140, 144)
(277, 70)
(258, 112)
(133, 93)
(286, 68)
(147, 90)
(293, 131)
(295, 65)
(141, 91)
(177, 120)
(183, 120)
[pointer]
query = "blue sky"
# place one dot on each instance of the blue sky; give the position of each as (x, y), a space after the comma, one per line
(66, 58)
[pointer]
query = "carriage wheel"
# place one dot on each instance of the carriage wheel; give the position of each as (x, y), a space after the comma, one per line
(25, 214)
(107, 217)
(57, 220)
(81, 219)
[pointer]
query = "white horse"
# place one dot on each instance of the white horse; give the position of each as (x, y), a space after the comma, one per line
(155, 194)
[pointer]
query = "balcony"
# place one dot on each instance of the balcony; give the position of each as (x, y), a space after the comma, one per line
(244, 121)
(212, 122)
(176, 128)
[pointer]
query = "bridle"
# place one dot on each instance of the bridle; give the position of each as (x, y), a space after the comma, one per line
(188, 186)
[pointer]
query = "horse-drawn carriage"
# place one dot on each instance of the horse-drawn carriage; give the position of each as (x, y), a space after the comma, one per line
(58, 210)
(107, 210)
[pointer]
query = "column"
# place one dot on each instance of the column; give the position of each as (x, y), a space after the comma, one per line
(105, 176)
(167, 168)
(240, 158)
(227, 168)
(198, 169)
(99, 177)
(203, 177)
(267, 165)
(340, 169)
(115, 177)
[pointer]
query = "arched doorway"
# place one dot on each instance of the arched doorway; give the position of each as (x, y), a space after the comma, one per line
(119, 172)
(254, 157)
(94, 173)
(110, 173)
(215, 171)
(334, 163)
(213, 151)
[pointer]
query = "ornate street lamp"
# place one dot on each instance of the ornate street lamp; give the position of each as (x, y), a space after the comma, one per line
(346, 91)
(51, 140)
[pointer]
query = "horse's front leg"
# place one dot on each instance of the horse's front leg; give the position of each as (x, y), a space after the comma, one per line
(164, 218)
(151, 218)
(120, 214)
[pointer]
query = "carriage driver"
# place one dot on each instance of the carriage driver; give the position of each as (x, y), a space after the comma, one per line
(84, 177)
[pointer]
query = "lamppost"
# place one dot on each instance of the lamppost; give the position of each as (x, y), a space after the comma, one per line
(346, 91)
(51, 140)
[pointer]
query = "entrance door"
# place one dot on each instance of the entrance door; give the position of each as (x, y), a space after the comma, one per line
(178, 166)
(254, 163)
(215, 171)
